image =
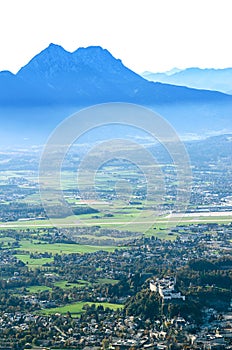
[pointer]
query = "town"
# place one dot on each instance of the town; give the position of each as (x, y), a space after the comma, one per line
(129, 298)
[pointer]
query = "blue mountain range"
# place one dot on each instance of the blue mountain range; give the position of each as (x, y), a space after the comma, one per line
(85, 76)
(197, 78)
(56, 83)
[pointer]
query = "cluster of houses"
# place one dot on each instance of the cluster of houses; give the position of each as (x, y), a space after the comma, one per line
(120, 333)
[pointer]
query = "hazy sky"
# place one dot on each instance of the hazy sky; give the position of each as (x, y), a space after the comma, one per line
(154, 35)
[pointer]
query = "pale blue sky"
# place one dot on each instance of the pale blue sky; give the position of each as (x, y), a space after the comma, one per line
(154, 35)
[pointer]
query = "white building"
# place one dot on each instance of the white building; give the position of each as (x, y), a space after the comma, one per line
(166, 288)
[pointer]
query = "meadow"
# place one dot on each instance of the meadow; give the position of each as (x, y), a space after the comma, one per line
(77, 308)
(59, 248)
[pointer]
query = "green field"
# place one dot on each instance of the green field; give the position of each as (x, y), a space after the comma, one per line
(77, 308)
(68, 285)
(5, 240)
(122, 220)
(38, 289)
(33, 263)
(36, 246)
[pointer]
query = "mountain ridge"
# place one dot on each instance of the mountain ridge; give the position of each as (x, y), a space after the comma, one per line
(197, 78)
(56, 83)
(88, 75)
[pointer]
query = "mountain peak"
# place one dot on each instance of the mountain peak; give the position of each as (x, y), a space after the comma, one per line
(98, 58)
(91, 48)
(53, 58)
(54, 49)
(55, 46)
(96, 52)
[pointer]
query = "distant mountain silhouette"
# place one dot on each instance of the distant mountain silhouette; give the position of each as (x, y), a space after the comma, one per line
(88, 75)
(56, 83)
(214, 148)
(209, 79)
(208, 149)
